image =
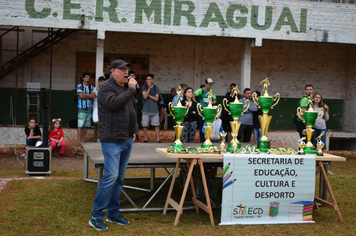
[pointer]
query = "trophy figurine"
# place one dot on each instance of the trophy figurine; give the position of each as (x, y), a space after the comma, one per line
(309, 117)
(178, 112)
(236, 110)
(234, 148)
(222, 144)
(265, 103)
(301, 145)
(209, 114)
(320, 144)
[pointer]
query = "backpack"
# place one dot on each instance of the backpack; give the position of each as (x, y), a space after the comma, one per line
(76, 96)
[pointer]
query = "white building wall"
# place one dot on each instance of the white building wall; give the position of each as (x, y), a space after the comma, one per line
(288, 65)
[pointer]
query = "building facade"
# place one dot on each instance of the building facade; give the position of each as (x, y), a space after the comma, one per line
(293, 43)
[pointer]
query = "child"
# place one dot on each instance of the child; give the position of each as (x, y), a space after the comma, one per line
(56, 137)
(33, 132)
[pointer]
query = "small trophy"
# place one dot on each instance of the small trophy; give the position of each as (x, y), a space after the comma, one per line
(178, 112)
(222, 144)
(301, 145)
(236, 110)
(208, 114)
(320, 144)
(234, 146)
(309, 117)
(265, 103)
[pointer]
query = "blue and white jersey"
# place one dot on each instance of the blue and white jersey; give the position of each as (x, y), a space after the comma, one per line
(84, 103)
(175, 100)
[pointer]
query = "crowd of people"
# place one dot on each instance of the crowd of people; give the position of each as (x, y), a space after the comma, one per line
(154, 111)
(113, 106)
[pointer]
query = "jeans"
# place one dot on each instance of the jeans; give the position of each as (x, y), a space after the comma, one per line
(32, 142)
(316, 133)
(116, 157)
(257, 134)
(189, 130)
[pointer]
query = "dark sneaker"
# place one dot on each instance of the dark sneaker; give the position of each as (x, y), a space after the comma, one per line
(119, 219)
(98, 224)
(60, 156)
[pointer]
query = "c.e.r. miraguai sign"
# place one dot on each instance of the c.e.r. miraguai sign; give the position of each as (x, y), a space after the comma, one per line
(195, 14)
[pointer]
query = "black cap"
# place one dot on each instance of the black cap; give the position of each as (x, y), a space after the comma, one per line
(209, 81)
(118, 64)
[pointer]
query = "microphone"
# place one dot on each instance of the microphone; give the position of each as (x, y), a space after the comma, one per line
(137, 85)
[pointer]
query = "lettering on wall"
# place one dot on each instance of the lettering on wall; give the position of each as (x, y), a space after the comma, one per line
(173, 13)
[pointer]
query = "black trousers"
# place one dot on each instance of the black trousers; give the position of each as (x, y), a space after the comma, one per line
(300, 127)
(246, 131)
(200, 125)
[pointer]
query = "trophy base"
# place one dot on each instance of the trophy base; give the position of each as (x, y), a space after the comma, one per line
(230, 148)
(309, 150)
(180, 147)
(207, 145)
(263, 146)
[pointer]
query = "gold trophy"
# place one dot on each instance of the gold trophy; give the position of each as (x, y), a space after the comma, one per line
(265, 103)
(210, 113)
(236, 110)
(222, 144)
(178, 112)
(301, 145)
(320, 144)
(309, 117)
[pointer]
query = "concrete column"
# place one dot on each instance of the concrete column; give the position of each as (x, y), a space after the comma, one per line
(99, 55)
(197, 80)
(27, 68)
(245, 65)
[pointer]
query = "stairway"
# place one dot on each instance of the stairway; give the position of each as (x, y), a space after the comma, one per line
(33, 51)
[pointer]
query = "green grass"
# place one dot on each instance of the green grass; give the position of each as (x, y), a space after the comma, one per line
(62, 204)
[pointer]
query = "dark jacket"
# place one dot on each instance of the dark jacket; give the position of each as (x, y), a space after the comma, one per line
(190, 115)
(113, 111)
(36, 131)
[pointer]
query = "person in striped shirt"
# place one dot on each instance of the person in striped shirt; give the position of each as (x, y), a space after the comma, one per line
(86, 94)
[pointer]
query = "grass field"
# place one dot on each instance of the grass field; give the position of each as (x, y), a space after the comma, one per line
(61, 204)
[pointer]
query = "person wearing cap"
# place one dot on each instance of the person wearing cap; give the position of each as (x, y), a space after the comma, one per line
(101, 79)
(201, 96)
(86, 94)
(118, 131)
(246, 118)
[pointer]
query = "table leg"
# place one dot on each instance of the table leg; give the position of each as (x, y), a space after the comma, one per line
(192, 185)
(152, 179)
(333, 203)
(206, 208)
(169, 200)
(323, 193)
(86, 165)
(182, 199)
(189, 181)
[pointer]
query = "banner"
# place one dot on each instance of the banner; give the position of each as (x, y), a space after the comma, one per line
(267, 189)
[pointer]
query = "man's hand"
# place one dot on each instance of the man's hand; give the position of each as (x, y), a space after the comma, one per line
(134, 135)
(132, 83)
